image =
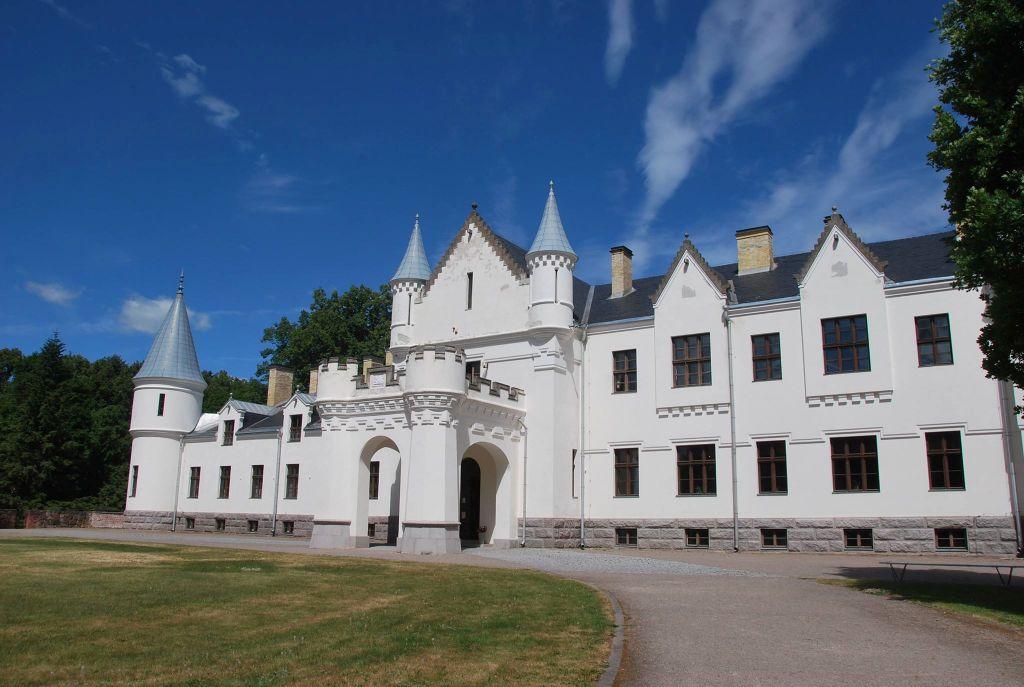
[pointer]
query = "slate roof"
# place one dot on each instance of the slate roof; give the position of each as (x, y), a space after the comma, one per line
(264, 425)
(414, 264)
(550, 234)
(173, 353)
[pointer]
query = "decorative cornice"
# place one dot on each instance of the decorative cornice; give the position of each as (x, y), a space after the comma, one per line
(857, 398)
(694, 410)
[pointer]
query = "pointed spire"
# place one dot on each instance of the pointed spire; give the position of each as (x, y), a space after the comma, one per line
(551, 236)
(173, 353)
(414, 264)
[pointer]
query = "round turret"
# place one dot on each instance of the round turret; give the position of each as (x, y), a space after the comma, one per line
(407, 287)
(551, 261)
(440, 369)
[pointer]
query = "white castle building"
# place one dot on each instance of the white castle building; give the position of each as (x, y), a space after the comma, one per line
(826, 401)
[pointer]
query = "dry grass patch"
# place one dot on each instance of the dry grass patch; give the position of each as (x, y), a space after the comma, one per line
(90, 613)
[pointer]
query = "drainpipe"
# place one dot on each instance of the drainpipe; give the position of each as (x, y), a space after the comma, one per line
(732, 432)
(583, 459)
(1012, 448)
(277, 481)
(522, 540)
(177, 483)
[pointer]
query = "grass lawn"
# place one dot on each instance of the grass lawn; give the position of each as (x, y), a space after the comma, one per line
(991, 602)
(101, 613)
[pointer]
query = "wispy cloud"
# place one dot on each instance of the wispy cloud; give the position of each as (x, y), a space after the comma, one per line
(66, 14)
(271, 190)
(53, 292)
(141, 314)
(742, 50)
(620, 38)
(183, 74)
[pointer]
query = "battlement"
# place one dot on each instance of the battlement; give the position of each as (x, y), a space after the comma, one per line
(337, 378)
(487, 389)
(436, 368)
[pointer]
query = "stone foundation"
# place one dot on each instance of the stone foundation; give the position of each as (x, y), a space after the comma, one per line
(385, 529)
(234, 523)
(430, 537)
(985, 534)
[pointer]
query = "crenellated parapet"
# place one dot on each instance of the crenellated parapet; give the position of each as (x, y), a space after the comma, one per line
(482, 388)
(435, 369)
(337, 379)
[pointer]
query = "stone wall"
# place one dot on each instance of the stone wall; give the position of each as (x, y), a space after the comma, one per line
(238, 523)
(985, 535)
(147, 520)
(8, 519)
(385, 529)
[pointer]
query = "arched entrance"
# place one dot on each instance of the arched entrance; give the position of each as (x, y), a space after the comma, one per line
(469, 503)
(378, 495)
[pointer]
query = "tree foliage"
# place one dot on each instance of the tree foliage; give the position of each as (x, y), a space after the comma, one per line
(221, 386)
(356, 324)
(979, 142)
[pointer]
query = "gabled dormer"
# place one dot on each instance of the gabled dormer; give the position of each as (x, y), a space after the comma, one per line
(837, 247)
(689, 274)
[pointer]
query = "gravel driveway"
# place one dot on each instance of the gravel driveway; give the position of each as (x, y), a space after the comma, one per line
(570, 562)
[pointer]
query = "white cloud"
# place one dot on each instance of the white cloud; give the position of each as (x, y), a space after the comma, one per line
(185, 85)
(221, 114)
(187, 63)
(52, 292)
(141, 314)
(182, 73)
(620, 38)
(273, 191)
(742, 50)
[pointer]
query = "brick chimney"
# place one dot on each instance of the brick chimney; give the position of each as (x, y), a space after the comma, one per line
(312, 379)
(622, 271)
(279, 385)
(754, 250)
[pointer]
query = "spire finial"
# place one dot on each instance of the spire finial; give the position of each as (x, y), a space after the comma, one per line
(181, 282)
(551, 186)
(835, 209)
(474, 206)
(416, 224)
(686, 236)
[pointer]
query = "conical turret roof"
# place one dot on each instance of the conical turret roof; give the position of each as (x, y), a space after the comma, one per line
(173, 353)
(550, 235)
(414, 264)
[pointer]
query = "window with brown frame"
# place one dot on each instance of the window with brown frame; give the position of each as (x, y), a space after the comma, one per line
(858, 538)
(854, 464)
(294, 428)
(773, 538)
(767, 357)
(193, 483)
(934, 345)
(691, 360)
(624, 371)
(225, 482)
(695, 470)
(771, 467)
(627, 472)
(844, 341)
(951, 539)
(291, 484)
(697, 538)
(945, 460)
(135, 480)
(256, 489)
(229, 432)
(374, 478)
(625, 536)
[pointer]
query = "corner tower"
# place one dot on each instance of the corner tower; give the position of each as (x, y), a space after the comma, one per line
(166, 405)
(407, 288)
(551, 261)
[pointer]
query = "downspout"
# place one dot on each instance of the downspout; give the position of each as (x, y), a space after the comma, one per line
(177, 483)
(277, 481)
(583, 459)
(526, 437)
(732, 428)
(1011, 446)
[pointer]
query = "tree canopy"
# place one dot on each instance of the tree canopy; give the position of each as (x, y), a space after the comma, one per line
(978, 134)
(356, 324)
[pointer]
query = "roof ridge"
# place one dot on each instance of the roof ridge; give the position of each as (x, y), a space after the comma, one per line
(839, 222)
(712, 273)
(493, 239)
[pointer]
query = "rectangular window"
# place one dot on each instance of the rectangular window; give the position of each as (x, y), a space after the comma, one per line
(469, 291)
(254, 525)
(767, 357)
(945, 460)
(771, 467)
(291, 484)
(951, 539)
(256, 491)
(135, 480)
(691, 360)
(190, 523)
(371, 530)
(858, 538)
(160, 405)
(624, 371)
(294, 428)
(625, 536)
(934, 346)
(854, 464)
(289, 526)
(229, 432)
(627, 472)
(695, 470)
(225, 482)
(773, 538)
(697, 538)
(374, 478)
(193, 483)
(844, 341)
(219, 524)
(473, 372)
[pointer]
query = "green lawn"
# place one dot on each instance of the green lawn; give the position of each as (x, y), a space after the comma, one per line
(99, 613)
(992, 602)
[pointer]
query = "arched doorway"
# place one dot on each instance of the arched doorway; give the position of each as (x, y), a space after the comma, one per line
(469, 503)
(379, 485)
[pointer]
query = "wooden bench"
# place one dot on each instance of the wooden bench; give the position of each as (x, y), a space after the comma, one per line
(1006, 579)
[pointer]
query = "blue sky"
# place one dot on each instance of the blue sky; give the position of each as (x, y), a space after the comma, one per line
(269, 149)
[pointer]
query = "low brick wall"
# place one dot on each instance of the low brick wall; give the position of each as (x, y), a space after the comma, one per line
(234, 523)
(8, 519)
(36, 519)
(108, 520)
(985, 535)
